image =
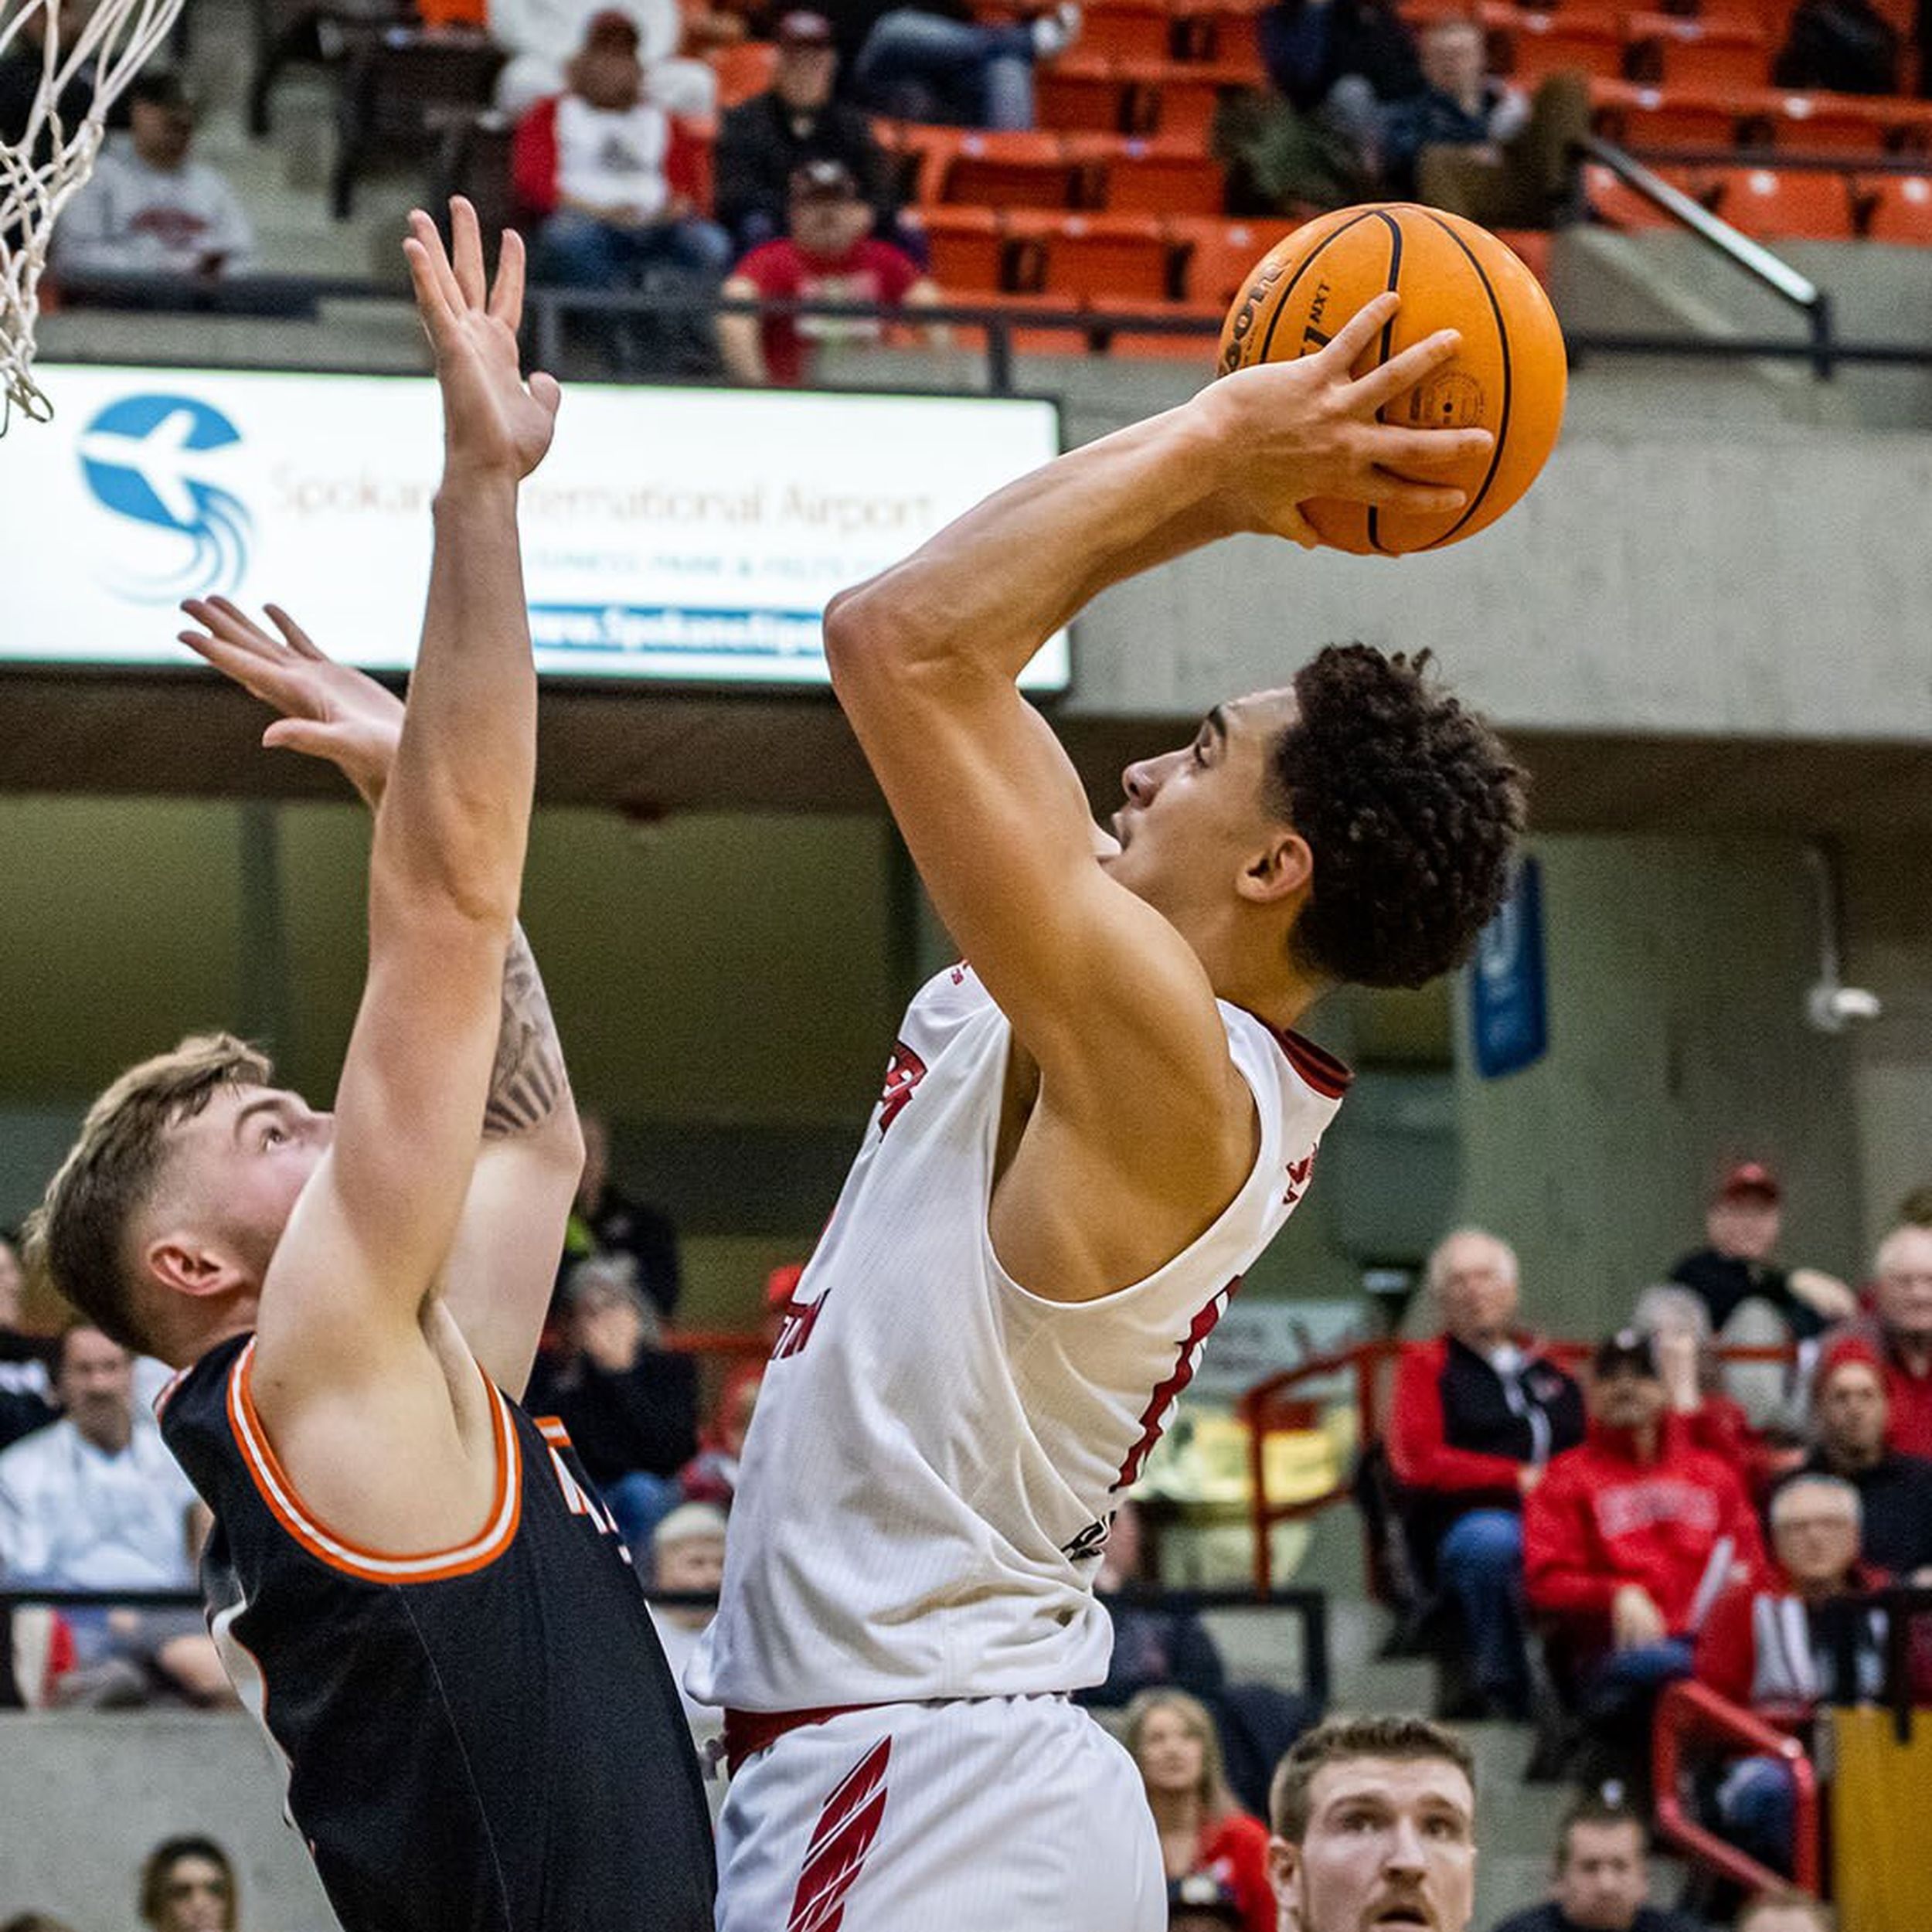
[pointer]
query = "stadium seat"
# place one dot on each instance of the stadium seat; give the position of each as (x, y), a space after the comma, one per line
(743, 70)
(1818, 123)
(1640, 117)
(1181, 98)
(1126, 29)
(1782, 204)
(1619, 207)
(1216, 255)
(1152, 177)
(389, 89)
(1083, 94)
(1662, 48)
(967, 249)
(1528, 45)
(1530, 246)
(924, 153)
(1897, 208)
(1002, 170)
(1221, 31)
(1106, 261)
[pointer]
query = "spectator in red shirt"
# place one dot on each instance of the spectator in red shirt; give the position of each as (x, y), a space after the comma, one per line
(1628, 1538)
(1171, 1737)
(1899, 1327)
(1679, 1327)
(616, 181)
(1851, 1416)
(830, 255)
(1771, 1642)
(1476, 1415)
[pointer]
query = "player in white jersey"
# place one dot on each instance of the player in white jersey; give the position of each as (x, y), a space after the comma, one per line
(1088, 1132)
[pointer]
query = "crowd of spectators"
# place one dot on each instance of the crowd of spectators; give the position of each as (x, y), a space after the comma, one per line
(1574, 1550)
(187, 1884)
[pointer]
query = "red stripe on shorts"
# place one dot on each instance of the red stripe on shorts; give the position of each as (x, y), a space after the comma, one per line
(843, 1835)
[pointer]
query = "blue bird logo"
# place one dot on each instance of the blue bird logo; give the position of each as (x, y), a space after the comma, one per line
(144, 458)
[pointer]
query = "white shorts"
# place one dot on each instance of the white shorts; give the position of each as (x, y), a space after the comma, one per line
(992, 1814)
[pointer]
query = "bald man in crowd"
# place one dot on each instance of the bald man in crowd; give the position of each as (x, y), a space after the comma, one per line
(1478, 1414)
(1900, 1329)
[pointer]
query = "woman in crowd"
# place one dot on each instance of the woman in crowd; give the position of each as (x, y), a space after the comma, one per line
(188, 1884)
(1171, 1739)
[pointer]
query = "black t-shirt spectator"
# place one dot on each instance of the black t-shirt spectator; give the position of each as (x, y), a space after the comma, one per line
(1895, 1495)
(1307, 46)
(761, 140)
(642, 1418)
(618, 1225)
(1548, 1918)
(26, 1363)
(1843, 45)
(1721, 1281)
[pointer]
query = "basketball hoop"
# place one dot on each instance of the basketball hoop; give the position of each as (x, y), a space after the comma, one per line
(108, 43)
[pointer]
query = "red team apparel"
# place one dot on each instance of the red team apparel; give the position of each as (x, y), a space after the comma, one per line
(869, 271)
(1681, 1526)
(927, 1489)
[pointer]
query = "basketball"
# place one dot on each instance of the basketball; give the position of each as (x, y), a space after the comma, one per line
(1507, 377)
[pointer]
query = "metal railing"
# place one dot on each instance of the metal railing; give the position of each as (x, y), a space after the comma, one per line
(1690, 1711)
(1752, 258)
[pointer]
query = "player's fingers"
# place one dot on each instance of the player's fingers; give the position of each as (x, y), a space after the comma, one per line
(506, 299)
(297, 734)
(1407, 493)
(466, 253)
(1401, 373)
(298, 639)
(1403, 449)
(228, 621)
(546, 390)
(438, 296)
(1346, 345)
(240, 667)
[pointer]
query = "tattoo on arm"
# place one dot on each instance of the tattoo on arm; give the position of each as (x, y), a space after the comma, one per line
(527, 1079)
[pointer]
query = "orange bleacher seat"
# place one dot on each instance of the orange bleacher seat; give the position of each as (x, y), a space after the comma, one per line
(1679, 53)
(968, 249)
(1180, 97)
(1640, 117)
(1083, 94)
(1152, 177)
(1126, 29)
(1005, 170)
(1816, 123)
(1221, 31)
(1898, 208)
(1530, 246)
(1217, 255)
(743, 70)
(1106, 261)
(1621, 207)
(1782, 205)
(1908, 125)
(925, 153)
(1529, 46)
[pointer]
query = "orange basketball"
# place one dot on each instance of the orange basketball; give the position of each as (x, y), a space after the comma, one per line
(1508, 376)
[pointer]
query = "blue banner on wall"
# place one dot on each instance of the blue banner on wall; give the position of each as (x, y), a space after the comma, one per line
(1509, 1012)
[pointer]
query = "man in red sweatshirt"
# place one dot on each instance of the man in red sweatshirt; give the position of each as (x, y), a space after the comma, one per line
(1628, 1539)
(1477, 1415)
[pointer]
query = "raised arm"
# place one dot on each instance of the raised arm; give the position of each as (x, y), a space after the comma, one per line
(499, 1281)
(344, 1307)
(925, 658)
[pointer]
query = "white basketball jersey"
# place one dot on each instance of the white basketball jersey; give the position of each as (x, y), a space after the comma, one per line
(936, 1453)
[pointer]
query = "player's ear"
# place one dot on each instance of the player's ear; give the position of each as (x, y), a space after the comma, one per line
(1282, 869)
(1284, 1865)
(185, 1265)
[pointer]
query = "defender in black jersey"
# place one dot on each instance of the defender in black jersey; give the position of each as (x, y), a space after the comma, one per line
(412, 1584)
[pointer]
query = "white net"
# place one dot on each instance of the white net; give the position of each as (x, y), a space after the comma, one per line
(86, 54)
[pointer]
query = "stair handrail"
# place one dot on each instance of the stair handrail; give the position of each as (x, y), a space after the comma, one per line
(1689, 1709)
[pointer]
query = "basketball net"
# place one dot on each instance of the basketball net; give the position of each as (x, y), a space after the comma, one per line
(108, 43)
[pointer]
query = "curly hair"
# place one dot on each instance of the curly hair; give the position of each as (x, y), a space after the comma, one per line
(1411, 807)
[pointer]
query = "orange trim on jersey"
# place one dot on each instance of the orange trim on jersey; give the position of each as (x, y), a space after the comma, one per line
(376, 1566)
(552, 1429)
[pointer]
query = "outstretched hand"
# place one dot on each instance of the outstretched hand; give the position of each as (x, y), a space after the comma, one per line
(1289, 432)
(493, 422)
(328, 710)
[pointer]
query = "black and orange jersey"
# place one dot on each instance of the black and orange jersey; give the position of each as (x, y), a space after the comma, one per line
(486, 1739)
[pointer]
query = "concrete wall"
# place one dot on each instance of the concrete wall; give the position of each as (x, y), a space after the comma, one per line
(1677, 969)
(85, 1798)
